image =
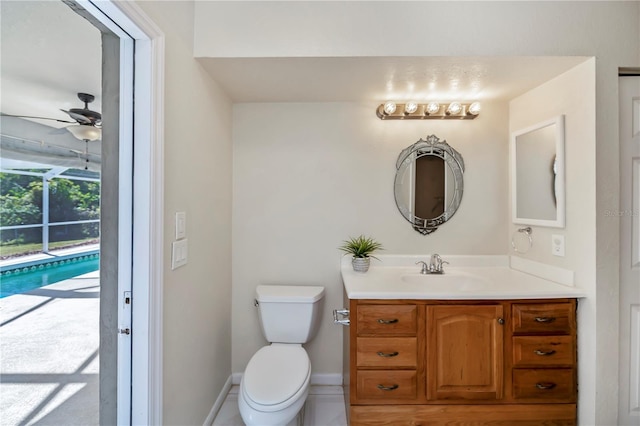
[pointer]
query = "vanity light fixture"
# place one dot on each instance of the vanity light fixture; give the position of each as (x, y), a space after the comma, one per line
(389, 108)
(410, 107)
(454, 108)
(432, 110)
(474, 108)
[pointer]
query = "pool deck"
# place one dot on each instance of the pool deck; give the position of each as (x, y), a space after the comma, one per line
(49, 354)
(51, 255)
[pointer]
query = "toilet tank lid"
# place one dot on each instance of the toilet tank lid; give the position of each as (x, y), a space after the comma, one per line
(289, 293)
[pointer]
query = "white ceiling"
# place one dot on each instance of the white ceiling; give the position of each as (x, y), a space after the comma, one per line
(49, 53)
(383, 78)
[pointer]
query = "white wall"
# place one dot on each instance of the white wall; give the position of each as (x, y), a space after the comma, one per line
(572, 95)
(608, 31)
(197, 297)
(197, 334)
(306, 176)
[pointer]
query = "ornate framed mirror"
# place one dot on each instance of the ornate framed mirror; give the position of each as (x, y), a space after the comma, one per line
(429, 183)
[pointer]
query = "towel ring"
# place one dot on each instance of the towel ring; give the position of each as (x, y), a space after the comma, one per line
(526, 231)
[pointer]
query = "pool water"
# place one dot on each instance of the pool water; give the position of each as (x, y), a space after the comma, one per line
(41, 275)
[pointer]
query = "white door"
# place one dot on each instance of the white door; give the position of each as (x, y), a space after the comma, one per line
(629, 392)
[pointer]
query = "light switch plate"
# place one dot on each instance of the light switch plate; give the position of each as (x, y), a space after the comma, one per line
(557, 245)
(181, 225)
(179, 253)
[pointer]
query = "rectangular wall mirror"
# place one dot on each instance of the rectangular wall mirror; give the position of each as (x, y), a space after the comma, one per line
(537, 174)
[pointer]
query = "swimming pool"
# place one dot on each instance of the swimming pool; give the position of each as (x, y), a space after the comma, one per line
(31, 277)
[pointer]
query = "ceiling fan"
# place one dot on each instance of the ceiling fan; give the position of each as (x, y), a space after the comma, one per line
(87, 123)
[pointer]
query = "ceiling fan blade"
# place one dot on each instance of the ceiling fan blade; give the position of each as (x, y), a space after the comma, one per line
(58, 131)
(39, 118)
(78, 117)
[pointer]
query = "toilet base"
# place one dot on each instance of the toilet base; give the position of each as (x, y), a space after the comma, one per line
(298, 420)
(254, 417)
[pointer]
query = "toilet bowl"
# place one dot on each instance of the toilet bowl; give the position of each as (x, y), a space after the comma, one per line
(275, 383)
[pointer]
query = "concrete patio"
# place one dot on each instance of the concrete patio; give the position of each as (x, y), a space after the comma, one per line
(49, 354)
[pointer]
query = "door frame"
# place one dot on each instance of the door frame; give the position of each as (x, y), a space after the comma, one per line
(141, 205)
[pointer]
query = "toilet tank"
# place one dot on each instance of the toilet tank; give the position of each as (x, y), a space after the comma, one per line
(289, 314)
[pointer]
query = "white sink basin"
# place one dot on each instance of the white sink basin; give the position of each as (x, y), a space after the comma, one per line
(449, 280)
(465, 278)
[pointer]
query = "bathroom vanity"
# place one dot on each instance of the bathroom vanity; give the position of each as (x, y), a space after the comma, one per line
(470, 347)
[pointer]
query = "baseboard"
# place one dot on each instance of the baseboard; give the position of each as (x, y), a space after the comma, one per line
(326, 379)
(236, 378)
(219, 401)
(316, 379)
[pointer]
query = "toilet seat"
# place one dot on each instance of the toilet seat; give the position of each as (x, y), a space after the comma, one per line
(276, 376)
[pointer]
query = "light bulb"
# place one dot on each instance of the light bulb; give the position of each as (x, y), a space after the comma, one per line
(474, 108)
(454, 108)
(433, 107)
(389, 107)
(410, 107)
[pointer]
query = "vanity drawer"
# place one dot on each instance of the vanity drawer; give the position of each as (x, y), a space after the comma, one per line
(387, 384)
(546, 351)
(544, 385)
(545, 318)
(386, 352)
(387, 319)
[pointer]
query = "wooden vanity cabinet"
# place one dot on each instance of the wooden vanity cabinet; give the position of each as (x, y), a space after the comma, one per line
(465, 352)
(430, 362)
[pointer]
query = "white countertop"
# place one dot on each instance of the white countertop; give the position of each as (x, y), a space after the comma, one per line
(490, 278)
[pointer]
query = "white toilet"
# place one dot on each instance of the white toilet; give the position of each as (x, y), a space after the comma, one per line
(275, 384)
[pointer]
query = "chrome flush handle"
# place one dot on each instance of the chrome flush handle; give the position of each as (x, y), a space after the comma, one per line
(341, 316)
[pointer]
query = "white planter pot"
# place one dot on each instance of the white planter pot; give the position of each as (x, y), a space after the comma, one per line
(361, 264)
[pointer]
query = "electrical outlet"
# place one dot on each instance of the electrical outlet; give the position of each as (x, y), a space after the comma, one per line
(557, 245)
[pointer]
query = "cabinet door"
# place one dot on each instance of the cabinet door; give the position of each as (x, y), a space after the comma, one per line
(464, 352)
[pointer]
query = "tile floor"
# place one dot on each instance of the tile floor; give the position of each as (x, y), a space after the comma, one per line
(324, 407)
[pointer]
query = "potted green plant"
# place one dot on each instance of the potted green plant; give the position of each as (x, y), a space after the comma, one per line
(361, 248)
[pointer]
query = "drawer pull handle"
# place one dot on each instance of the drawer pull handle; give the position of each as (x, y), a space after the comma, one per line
(388, 388)
(388, 321)
(388, 354)
(545, 319)
(544, 353)
(545, 385)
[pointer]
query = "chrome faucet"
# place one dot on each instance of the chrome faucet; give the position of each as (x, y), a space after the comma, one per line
(425, 267)
(434, 267)
(436, 264)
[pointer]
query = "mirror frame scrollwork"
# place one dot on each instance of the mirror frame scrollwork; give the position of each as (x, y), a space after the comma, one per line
(432, 146)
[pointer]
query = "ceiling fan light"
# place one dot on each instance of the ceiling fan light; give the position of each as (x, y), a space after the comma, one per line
(85, 132)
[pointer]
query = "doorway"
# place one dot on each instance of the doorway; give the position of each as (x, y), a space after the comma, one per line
(133, 396)
(629, 214)
(50, 321)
